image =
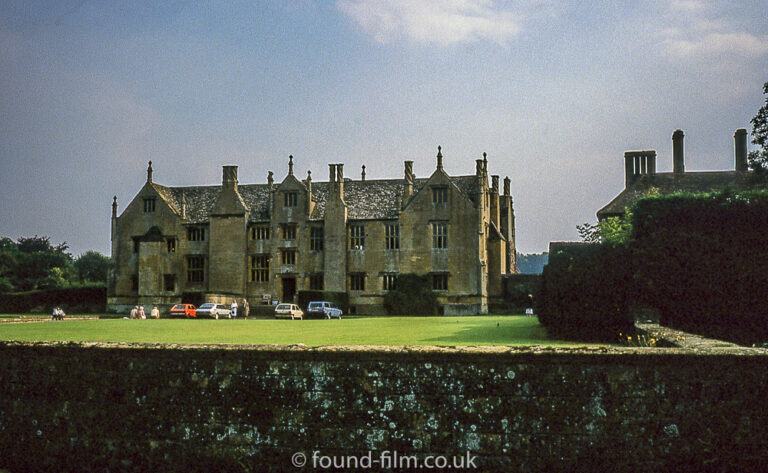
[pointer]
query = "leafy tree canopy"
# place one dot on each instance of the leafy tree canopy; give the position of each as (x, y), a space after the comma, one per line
(758, 159)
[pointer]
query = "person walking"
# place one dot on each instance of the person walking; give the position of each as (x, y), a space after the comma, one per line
(246, 308)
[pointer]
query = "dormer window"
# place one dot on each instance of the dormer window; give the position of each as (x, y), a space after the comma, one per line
(290, 199)
(149, 204)
(439, 195)
(260, 232)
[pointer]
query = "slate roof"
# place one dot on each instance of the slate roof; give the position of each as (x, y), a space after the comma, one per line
(669, 182)
(366, 200)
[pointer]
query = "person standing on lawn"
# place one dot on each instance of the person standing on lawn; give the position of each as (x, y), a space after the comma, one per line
(233, 309)
(246, 308)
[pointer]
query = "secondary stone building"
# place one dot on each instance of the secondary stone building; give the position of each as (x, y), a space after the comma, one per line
(641, 178)
(269, 241)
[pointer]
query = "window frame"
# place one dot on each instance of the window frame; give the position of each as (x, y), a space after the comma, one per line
(259, 270)
(439, 281)
(316, 238)
(195, 274)
(392, 236)
(357, 281)
(439, 195)
(439, 235)
(357, 236)
(288, 256)
(290, 199)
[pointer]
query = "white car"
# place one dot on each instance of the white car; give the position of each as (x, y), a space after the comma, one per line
(213, 310)
(285, 311)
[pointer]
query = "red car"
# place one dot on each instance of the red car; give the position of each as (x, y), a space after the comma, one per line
(184, 310)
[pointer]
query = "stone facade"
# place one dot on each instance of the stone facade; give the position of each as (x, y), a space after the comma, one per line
(269, 241)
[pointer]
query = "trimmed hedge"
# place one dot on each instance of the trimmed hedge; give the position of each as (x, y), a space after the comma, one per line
(80, 299)
(585, 293)
(413, 296)
(341, 299)
(704, 262)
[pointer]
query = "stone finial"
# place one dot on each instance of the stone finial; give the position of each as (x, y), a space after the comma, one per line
(114, 207)
(485, 163)
(507, 186)
(309, 181)
(149, 172)
(290, 165)
(183, 205)
(362, 174)
(270, 179)
(439, 157)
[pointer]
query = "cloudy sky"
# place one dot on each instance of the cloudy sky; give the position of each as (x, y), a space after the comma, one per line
(554, 92)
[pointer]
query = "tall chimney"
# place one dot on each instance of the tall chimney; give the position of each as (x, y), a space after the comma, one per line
(408, 175)
(740, 148)
(229, 177)
(678, 155)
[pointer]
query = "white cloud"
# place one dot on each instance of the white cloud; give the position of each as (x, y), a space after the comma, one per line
(695, 31)
(441, 22)
(743, 45)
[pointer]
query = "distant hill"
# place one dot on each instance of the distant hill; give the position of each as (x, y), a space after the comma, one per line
(531, 263)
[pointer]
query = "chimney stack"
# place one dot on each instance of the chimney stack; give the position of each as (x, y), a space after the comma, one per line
(229, 177)
(638, 163)
(506, 186)
(678, 154)
(740, 148)
(408, 175)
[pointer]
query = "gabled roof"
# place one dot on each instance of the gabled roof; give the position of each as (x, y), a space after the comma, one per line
(369, 199)
(669, 182)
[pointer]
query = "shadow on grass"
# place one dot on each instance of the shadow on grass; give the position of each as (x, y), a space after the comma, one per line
(516, 331)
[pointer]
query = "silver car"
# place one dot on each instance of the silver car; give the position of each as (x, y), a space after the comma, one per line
(213, 310)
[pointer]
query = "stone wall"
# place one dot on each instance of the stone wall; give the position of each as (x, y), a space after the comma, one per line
(119, 407)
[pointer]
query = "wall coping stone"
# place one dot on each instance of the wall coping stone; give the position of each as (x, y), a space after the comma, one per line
(463, 354)
(680, 339)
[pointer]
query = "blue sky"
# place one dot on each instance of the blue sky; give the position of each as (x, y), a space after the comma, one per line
(554, 92)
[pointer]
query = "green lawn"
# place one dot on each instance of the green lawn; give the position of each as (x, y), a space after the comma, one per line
(478, 330)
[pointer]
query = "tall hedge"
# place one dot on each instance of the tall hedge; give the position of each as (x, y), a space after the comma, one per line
(585, 293)
(413, 296)
(703, 262)
(80, 299)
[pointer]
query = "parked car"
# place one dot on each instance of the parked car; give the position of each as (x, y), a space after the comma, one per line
(184, 310)
(292, 311)
(213, 310)
(323, 310)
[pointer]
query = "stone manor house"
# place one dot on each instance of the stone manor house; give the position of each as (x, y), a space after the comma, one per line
(268, 241)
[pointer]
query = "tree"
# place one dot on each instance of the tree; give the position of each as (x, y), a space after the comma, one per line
(758, 159)
(92, 266)
(32, 263)
(614, 231)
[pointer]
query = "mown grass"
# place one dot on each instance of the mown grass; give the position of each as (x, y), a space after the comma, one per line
(444, 331)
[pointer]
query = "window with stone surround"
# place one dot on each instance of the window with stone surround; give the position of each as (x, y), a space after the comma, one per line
(389, 282)
(356, 237)
(316, 282)
(290, 199)
(316, 238)
(289, 231)
(195, 269)
(171, 244)
(149, 204)
(260, 268)
(439, 235)
(196, 234)
(439, 195)
(169, 282)
(392, 236)
(288, 256)
(260, 232)
(357, 282)
(440, 282)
